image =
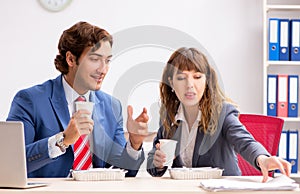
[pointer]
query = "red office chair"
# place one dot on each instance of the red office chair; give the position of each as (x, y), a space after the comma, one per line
(267, 131)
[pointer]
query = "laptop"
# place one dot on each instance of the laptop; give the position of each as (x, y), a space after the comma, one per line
(13, 172)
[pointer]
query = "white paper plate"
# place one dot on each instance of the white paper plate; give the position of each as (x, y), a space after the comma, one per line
(195, 173)
(99, 174)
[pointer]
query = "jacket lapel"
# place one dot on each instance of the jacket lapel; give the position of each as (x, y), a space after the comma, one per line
(199, 138)
(59, 102)
(204, 142)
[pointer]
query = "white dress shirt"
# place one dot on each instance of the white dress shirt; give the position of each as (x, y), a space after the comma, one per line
(188, 137)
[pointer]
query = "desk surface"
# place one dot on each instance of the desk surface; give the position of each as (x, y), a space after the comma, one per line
(129, 185)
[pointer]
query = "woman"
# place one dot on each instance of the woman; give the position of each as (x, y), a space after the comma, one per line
(196, 113)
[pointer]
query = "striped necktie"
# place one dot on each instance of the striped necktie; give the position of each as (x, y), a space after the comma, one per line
(82, 153)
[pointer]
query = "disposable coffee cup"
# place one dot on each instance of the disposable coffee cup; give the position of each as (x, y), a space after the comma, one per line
(85, 106)
(168, 147)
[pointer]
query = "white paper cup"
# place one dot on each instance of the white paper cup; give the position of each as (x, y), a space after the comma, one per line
(168, 147)
(85, 106)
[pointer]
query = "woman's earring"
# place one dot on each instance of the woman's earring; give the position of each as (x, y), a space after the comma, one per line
(172, 90)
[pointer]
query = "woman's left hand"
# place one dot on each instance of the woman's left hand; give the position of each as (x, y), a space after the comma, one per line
(272, 163)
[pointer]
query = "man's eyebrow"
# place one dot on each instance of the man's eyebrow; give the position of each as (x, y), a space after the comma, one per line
(99, 55)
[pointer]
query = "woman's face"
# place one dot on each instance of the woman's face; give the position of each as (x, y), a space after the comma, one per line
(189, 86)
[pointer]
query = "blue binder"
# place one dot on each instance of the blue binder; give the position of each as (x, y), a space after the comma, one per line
(274, 38)
(293, 150)
(295, 40)
(272, 95)
(284, 40)
(293, 85)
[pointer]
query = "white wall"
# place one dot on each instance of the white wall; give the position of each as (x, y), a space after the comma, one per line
(230, 31)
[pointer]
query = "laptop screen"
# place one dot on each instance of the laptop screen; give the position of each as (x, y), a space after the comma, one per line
(12, 150)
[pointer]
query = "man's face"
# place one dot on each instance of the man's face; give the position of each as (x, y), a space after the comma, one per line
(92, 68)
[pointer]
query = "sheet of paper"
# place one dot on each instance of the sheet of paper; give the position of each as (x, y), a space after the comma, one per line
(236, 184)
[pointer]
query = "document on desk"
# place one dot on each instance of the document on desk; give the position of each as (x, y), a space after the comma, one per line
(283, 183)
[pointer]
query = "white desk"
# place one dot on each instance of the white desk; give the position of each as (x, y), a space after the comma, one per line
(147, 185)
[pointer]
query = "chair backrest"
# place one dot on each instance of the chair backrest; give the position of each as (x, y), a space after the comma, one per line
(264, 129)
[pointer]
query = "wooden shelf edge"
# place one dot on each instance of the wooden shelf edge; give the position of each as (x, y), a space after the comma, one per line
(290, 119)
(282, 7)
(283, 63)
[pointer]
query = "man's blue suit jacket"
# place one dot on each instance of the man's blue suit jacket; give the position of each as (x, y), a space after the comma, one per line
(44, 111)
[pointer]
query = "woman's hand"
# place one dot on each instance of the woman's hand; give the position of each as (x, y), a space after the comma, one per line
(159, 157)
(272, 163)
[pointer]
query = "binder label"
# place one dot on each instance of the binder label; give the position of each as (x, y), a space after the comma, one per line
(282, 149)
(273, 31)
(282, 95)
(296, 35)
(293, 90)
(272, 90)
(284, 34)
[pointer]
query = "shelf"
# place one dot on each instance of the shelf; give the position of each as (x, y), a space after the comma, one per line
(290, 119)
(291, 123)
(282, 7)
(283, 63)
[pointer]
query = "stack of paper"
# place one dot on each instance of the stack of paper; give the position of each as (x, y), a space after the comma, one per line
(240, 183)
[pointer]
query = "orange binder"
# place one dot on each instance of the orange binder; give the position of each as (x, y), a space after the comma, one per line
(282, 104)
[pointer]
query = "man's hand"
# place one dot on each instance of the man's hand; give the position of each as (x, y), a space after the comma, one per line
(137, 128)
(79, 124)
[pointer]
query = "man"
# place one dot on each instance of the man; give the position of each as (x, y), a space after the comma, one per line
(52, 126)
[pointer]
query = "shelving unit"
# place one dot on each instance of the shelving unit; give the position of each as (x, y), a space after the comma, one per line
(279, 9)
(287, 10)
